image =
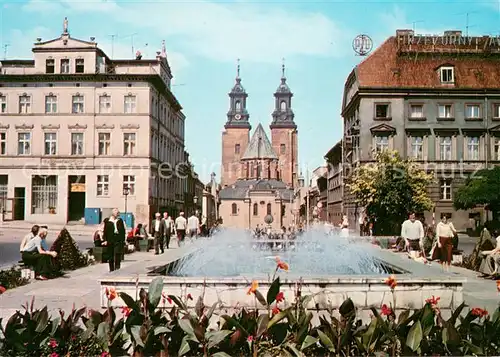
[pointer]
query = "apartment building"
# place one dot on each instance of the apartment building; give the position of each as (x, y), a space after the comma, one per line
(435, 99)
(79, 130)
(335, 184)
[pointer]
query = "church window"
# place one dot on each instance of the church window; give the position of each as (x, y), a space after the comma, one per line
(283, 106)
(238, 106)
(282, 149)
(255, 209)
(234, 209)
(237, 148)
(269, 209)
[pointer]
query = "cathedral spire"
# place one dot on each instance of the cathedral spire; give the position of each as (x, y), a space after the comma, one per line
(238, 69)
(237, 116)
(283, 113)
(283, 69)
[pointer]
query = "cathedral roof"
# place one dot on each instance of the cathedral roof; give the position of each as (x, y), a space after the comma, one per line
(241, 188)
(259, 147)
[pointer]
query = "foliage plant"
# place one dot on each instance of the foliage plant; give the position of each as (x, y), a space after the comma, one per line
(390, 187)
(69, 256)
(157, 324)
(11, 278)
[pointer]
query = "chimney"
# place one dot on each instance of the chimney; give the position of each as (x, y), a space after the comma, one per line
(403, 32)
(158, 56)
(453, 33)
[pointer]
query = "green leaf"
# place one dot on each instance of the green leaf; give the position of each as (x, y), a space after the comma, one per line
(277, 318)
(347, 308)
(260, 297)
(212, 309)
(273, 291)
(262, 323)
(198, 308)
(55, 325)
(234, 323)
(414, 336)
(294, 349)
(127, 299)
(456, 314)
(103, 331)
(403, 317)
(179, 303)
(308, 342)
(187, 327)
(161, 329)
(43, 320)
(220, 354)
(136, 335)
(450, 334)
(217, 337)
(325, 340)
(185, 348)
(154, 292)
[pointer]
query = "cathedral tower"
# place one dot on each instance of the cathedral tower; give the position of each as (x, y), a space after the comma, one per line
(284, 133)
(236, 134)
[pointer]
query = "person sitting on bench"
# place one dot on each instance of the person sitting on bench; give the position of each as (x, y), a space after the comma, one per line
(99, 235)
(34, 232)
(36, 254)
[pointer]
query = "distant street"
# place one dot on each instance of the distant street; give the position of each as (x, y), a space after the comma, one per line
(10, 240)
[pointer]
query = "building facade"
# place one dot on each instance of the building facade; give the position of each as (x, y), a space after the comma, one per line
(335, 184)
(77, 128)
(433, 99)
(258, 176)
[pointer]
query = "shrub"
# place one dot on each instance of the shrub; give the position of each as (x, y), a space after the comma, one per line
(69, 256)
(11, 278)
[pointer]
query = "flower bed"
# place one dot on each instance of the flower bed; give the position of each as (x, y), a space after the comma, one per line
(157, 324)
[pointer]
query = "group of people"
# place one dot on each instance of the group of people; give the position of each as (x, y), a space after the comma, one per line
(267, 233)
(36, 254)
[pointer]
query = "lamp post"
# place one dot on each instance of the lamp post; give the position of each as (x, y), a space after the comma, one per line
(126, 191)
(195, 201)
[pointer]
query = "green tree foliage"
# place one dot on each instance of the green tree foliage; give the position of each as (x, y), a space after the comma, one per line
(483, 188)
(390, 188)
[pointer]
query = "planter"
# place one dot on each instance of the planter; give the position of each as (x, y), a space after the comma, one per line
(143, 245)
(99, 254)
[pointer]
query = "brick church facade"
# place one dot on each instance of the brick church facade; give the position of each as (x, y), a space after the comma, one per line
(259, 175)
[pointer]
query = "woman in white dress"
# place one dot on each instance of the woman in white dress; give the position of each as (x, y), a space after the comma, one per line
(344, 227)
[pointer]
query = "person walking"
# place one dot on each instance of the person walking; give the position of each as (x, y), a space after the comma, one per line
(158, 231)
(193, 226)
(412, 231)
(114, 236)
(180, 228)
(344, 227)
(167, 226)
(445, 231)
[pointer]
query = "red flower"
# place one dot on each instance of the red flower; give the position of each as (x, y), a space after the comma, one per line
(391, 282)
(253, 288)
(498, 285)
(111, 294)
(53, 343)
(2, 289)
(386, 310)
(276, 310)
(281, 264)
(105, 354)
(189, 297)
(433, 301)
(165, 298)
(477, 311)
(53, 354)
(250, 338)
(280, 297)
(126, 311)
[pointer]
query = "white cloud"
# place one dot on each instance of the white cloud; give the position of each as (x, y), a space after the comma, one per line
(223, 32)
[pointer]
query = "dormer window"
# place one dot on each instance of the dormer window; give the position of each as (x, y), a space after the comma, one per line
(79, 65)
(65, 65)
(50, 66)
(447, 74)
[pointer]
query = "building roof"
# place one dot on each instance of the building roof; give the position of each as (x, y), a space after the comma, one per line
(259, 147)
(239, 189)
(412, 61)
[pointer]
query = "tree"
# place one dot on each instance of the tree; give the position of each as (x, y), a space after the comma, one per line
(389, 189)
(481, 189)
(69, 256)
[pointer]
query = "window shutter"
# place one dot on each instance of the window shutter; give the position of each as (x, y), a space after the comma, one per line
(425, 149)
(454, 147)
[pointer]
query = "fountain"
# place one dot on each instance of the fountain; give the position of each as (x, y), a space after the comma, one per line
(330, 267)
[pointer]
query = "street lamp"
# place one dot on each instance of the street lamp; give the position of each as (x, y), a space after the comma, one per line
(126, 192)
(195, 201)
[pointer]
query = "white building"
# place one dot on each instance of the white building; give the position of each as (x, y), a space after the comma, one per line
(77, 127)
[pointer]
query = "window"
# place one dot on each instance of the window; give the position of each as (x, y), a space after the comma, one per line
(3, 104)
(104, 143)
(102, 185)
(472, 111)
(381, 143)
(24, 143)
(129, 144)
(43, 194)
(473, 148)
(269, 211)
(104, 104)
(445, 189)
(417, 147)
(496, 148)
(237, 148)
(79, 65)
(50, 140)
(129, 181)
(496, 111)
(77, 104)
(65, 66)
(238, 106)
(447, 75)
(445, 111)
(24, 104)
(282, 149)
(234, 209)
(416, 111)
(255, 209)
(50, 66)
(283, 106)
(50, 104)
(382, 111)
(130, 104)
(445, 148)
(3, 143)
(76, 143)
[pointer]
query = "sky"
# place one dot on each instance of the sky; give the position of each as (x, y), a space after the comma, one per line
(204, 39)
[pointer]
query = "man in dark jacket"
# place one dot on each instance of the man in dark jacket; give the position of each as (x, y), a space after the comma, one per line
(157, 231)
(114, 235)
